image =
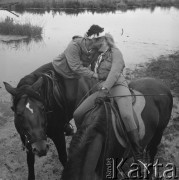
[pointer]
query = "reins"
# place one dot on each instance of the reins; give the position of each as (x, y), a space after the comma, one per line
(126, 153)
(107, 134)
(121, 96)
(138, 95)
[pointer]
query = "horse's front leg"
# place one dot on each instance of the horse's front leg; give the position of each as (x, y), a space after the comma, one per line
(30, 163)
(59, 140)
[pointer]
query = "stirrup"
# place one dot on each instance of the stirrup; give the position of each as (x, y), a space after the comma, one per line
(68, 129)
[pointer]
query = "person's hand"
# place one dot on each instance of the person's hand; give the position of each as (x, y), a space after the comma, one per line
(102, 95)
(95, 75)
(102, 77)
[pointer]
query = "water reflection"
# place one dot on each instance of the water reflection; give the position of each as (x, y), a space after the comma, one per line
(145, 35)
(21, 43)
(76, 12)
(68, 11)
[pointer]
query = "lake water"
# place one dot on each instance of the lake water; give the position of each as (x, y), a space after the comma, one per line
(146, 34)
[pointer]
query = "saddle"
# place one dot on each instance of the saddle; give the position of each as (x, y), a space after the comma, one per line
(118, 124)
(58, 89)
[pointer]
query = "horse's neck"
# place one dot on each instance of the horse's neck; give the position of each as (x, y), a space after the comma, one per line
(92, 157)
(86, 87)
(98, 131)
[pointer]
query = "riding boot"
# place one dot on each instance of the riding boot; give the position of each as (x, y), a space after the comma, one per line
(68, 129)
(136, 147)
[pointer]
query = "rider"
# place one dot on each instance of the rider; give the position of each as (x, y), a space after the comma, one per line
(110, 68)
(74, 61)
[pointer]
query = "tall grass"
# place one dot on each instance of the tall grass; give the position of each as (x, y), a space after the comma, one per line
(165, 68)
(9, 27)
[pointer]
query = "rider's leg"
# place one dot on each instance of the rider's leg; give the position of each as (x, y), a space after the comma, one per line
(126, 111)
(84, 107)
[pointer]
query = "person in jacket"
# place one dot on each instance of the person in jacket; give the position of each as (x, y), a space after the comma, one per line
(74, 63)
(110, 70)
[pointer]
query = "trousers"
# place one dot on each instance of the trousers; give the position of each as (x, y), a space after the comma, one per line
(124, 105)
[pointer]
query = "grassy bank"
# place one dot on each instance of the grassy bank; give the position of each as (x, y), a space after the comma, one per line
(9, 27)
(165, 68)
(92, 4)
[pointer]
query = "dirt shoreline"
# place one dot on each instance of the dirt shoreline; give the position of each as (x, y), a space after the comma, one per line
(10, 38)
(13, 158)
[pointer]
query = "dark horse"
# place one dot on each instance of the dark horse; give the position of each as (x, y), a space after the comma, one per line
(95, 146)
(42, 108)
(38, 113)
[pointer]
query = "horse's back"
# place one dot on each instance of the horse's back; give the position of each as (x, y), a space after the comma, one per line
(158, 104)
(149, 85)
(155, 92)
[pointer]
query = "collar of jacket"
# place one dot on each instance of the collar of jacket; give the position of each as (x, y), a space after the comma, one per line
(81, 41)
(100, 58)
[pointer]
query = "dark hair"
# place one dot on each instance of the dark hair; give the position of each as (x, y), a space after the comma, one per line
(94, 30)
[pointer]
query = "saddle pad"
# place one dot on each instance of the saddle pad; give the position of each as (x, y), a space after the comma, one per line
(138, 107)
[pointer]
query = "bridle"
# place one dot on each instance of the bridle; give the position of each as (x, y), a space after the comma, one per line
(28, 138)
(25, 133)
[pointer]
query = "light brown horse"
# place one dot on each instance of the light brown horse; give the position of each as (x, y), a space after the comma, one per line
(95, 151)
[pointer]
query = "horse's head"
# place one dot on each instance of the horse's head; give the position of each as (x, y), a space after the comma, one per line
(30, 116)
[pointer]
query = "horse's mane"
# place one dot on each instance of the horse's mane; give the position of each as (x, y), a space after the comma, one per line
(28, 80)
(24, 85)
(82, 139)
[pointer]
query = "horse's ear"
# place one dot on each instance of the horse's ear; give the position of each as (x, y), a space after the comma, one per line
(38, 84)
(10, 89)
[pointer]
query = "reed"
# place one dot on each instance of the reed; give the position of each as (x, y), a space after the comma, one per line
(9, 27)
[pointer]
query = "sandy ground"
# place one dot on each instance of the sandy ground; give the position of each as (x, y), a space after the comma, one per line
(13, 158)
